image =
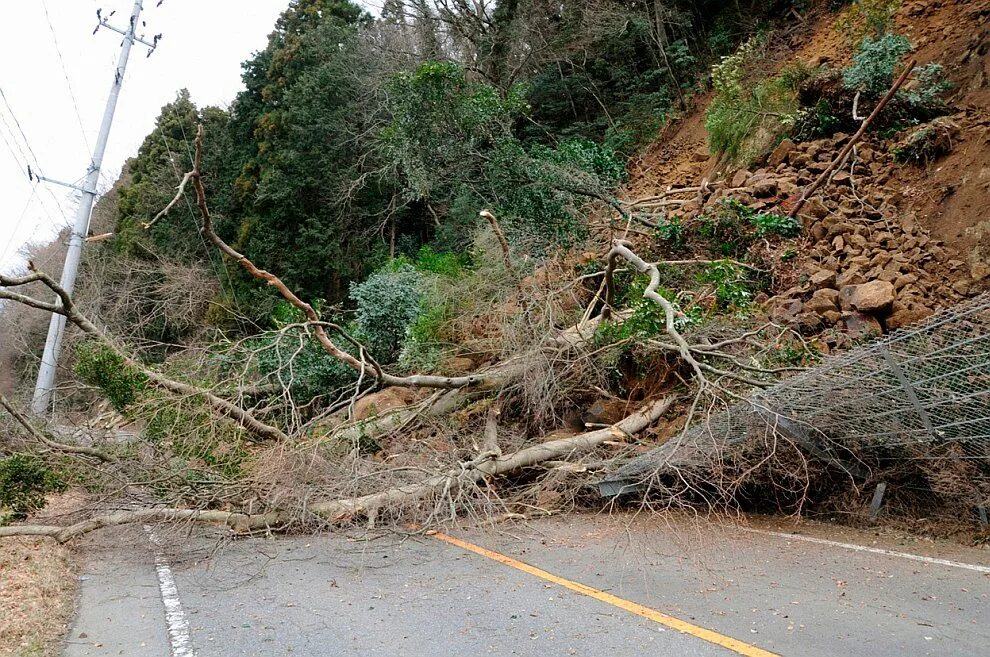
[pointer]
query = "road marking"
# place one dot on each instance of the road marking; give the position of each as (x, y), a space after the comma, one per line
(696, 631)
(175, 618)
(873, 550)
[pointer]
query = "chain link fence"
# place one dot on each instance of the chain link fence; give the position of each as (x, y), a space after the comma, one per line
(921, 393)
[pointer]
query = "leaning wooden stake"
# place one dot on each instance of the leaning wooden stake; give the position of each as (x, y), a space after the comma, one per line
(844, 153)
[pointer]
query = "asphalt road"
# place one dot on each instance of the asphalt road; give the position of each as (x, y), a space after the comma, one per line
(631, 582)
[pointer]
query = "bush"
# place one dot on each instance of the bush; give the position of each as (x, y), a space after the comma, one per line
(872, 74)
(872, 70)
(387, 305)
(927, 142)
(24, 483)
(750, 111)
(771, 223)
(868, 17)
(731, 285)
(100, 366)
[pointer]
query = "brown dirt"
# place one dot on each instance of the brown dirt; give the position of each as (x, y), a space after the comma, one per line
(948, 196)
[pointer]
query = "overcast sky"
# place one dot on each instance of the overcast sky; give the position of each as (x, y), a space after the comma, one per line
(203, 45)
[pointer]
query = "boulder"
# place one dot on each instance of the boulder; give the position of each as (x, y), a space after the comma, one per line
(739, 178)
(905, 314)
(874, 297)
(458, 365)
(764, 188)
(382, 401)
(781, 153)
(860, 326)
(823, 301)
(823, 278)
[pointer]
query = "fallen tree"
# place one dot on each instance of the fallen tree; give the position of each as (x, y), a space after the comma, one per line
(488, 464)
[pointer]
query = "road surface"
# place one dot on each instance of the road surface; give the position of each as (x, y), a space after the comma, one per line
(621, 586)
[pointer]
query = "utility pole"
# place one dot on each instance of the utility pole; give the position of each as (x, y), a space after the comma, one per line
(45, 387)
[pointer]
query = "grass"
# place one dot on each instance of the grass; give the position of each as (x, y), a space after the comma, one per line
(37, 591)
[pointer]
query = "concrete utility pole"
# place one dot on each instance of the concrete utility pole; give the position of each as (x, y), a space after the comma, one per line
(45, 387)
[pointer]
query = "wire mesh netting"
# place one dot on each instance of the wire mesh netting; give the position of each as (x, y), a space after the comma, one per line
(919, 393)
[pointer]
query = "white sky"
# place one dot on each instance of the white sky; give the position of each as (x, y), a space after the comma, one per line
(203, 45)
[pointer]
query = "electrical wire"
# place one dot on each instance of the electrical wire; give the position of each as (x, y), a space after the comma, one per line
(65, 74)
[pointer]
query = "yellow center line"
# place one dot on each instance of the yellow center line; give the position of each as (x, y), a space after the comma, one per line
(699, 632)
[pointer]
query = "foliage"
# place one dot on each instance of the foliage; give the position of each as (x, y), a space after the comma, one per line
(451, 143)
(771, 223)
(750, 111)
(202, 443)
(874, 68)
(872, 18)
(24, 483)
(388, 303)
(926, 142)
(731, 285)
(671, 231)
(101, 366)
(874, 63)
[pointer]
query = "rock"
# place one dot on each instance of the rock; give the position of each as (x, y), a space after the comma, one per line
(823, 278)
(787, 311)
(906, 314)
(815, 208)
(842, 179)
(979, 271)
(780, 154)
(875, 297)
(382, 401)
(860, 326)
(799, 160)
(823, 301)
(739, 178)
(904, 280)
(962, 287)
(832, 317)
(700, 155)
(764, 188)
(850, 277)
(458, 365)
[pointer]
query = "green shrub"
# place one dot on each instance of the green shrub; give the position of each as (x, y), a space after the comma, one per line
(194, 434)
(671, 231)
(872, 70)
(24, 483)
(101, 366)
(868, 18)
(750, 111)
(926, 143)
(731, 285)
(771, 223)
(387, 305)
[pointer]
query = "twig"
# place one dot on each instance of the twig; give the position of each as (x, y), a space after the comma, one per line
(40, 436)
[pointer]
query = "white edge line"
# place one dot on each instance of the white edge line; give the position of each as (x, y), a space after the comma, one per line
(175, 618)
(863, 548)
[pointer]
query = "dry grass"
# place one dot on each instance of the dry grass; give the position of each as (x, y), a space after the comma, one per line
(38, 582)
(37, 587)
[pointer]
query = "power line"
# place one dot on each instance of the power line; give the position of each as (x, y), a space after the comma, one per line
(65, 74)
(18, 124)
(27, 160)
(17, 224)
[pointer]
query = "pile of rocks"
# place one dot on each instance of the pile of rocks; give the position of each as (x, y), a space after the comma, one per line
(868, 266)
